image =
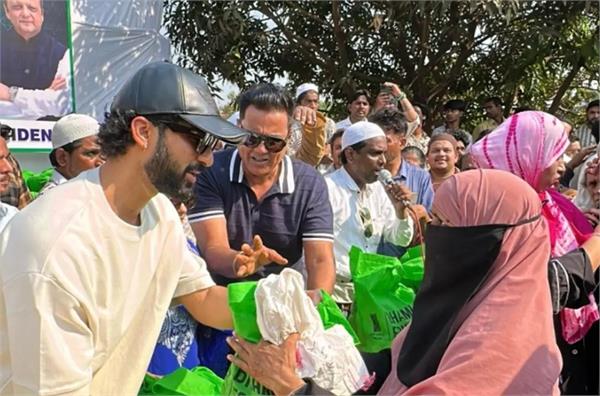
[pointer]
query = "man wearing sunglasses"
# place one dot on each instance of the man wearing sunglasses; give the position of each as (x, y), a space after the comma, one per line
(257, 197)
(89, 270)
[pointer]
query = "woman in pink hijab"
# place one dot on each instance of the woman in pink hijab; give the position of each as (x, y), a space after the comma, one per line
(530, 145)
(482, 319)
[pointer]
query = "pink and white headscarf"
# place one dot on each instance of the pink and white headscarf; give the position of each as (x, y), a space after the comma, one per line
(524, 144)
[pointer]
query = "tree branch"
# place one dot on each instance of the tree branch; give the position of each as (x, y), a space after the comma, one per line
(465, 52)
(368, 77)
(301, 43)
(298, 8)
(340, 37)
(444, 47)
(564, 86)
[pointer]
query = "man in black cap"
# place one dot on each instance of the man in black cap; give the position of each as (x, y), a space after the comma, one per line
(453, 110)
(89, 270)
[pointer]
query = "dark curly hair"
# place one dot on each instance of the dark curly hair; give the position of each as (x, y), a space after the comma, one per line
(390, 119)
(114, 136)
(357, 94)
(462, 136)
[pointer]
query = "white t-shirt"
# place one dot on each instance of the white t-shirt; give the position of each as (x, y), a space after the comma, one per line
(6, 213)
(84, 294)
(345, 123)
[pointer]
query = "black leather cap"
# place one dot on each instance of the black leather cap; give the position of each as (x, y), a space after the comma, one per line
(165, 88)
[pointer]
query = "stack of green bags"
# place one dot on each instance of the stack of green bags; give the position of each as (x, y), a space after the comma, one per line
(384, 293)
(243, 308)
(385, 289)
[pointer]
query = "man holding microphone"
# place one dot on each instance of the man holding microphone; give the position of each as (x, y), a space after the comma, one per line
(364, 210)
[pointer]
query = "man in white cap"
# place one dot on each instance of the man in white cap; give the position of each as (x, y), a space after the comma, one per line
(364, 210)
(310, 129)
(74, 148)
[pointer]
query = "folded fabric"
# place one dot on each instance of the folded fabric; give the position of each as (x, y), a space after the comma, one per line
(328, 357)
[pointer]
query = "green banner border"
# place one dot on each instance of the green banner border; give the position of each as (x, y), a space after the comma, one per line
(71, 57)
(30, 150)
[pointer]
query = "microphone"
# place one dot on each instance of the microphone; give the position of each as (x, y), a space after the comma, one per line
(385, 177)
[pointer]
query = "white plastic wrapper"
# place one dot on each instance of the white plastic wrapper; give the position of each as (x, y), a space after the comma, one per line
(329, 357)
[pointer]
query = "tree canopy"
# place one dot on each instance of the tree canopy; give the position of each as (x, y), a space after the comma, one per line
(541, 54)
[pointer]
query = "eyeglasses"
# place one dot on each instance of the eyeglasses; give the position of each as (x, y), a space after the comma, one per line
(201, 140)
(272, 144)
(367, 221)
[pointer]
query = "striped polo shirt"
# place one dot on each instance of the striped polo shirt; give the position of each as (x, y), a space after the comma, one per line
(295, 209)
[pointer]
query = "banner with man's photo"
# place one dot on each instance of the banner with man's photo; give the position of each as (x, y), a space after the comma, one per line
(36, 74)
(63, 56)
(36, 70)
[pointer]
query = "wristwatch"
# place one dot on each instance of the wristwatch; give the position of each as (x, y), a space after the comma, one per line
(12, 92)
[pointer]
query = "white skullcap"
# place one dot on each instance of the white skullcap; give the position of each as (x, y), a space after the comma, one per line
(306, 87)
(73, 127)
(359, 132)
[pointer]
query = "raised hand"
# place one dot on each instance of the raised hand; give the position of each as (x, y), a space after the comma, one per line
(305, 115)
(252, 258)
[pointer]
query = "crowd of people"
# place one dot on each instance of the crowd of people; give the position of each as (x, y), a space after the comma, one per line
(119, 266)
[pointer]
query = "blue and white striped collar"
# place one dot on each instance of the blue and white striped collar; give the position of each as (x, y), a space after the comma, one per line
(286, 174)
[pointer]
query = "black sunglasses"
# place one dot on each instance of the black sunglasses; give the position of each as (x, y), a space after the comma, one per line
(272, 144)
(201, 140)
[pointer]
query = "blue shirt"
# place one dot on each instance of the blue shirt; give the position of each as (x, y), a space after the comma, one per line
(177, 345)
(295, 209)
(418, 180)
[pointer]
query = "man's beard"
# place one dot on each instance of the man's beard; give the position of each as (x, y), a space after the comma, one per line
(163, 171)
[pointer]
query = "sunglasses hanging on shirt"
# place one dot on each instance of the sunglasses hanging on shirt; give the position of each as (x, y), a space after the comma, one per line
(367, 221)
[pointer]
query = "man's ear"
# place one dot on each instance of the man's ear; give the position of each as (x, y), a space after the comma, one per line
(141, 128)
(350, 154)
(403, 140)
(61, 156)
